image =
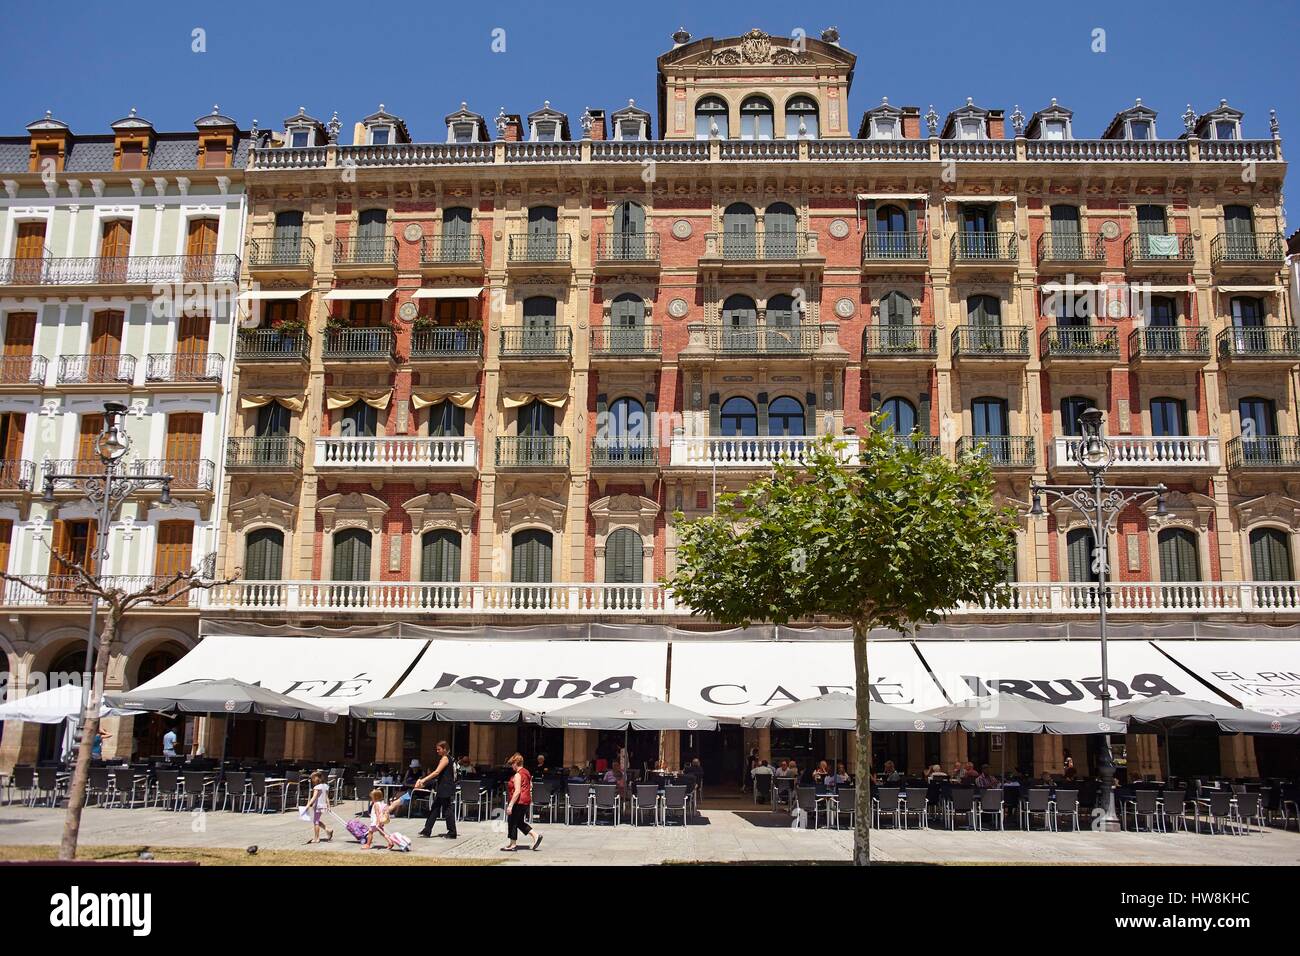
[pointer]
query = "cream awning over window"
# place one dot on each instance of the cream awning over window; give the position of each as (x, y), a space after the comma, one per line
(427, 397)
(291, 402)
(1250, 288)
(342, 398)
(448, 293)
(261, 295)
(516, 399)
(353, 295)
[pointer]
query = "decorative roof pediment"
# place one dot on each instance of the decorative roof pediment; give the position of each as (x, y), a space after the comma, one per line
(969, 111)
(352, 510)
(48, 124)
(215, 120)
(1181, 508)
(262, 507)
(624, 509)
(132, 122)
(631, 111)
(756, 49)
(1116, 129)
(382, 117)
(440, 510)
(466, 115)
(1271, 506)
(1205, 122)
(532, 508)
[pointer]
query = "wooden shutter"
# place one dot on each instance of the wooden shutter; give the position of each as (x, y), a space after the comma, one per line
(115, 241)
(91, 426)
(6, 536)
(215, 154)
(106, 333)
(1178, 558)
(173, 553)
(762, 413)
(74, 540)
(31, 240)
(12, 425)
(923, 413)
(1270, 559)
(202, 239)
(184, 441)
(624, 558)
(264, 555)
(20, 334)
(192, 347)
(440, 556)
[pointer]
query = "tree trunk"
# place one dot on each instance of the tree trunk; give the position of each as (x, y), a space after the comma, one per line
(89, 727)
(862, 768)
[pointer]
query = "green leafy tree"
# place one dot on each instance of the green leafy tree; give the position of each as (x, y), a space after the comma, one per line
(888, 540)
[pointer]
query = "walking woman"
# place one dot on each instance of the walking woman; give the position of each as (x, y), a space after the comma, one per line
(443, 802)
(520, 792)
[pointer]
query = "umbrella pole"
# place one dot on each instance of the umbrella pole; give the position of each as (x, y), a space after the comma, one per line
(1169, 758)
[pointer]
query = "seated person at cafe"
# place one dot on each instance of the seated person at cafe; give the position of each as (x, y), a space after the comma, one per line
(785, 769)
(836, 778)
(890, 774)
(576, 775)
(541, 769)
(968, 774)
(762, 770)
(820, 771)
(935, 773)
(464, 768)
(987, 778)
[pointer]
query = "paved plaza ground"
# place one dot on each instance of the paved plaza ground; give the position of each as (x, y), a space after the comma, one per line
(731, 833)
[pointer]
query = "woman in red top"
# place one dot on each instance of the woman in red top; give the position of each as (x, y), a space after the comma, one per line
(520, 791)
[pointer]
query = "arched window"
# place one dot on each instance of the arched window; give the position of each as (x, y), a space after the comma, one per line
(739, 418)
(782, 332)
(738, 238)
(628, 240)
(626, 421)
(1179, 560)
(543, 226)
(893, 239)
(539, 324)
(1270, 555)
(535, 430)
(1072, 407)
(624, 557)
(756, 118)
(1162, 312)
(372, 224)
(530, 556)
(446, 420)
(1258, 430)
(739, 324)
(785, 417)
(989, 421)
(780, 231)
(359, 420)
(288, 237)
(801, 118)
(900, 416)
(440, 555)
(627, 328)
(1248, 324)
(351, 555)
(264, 555)
(1079, 547)
(711, 118)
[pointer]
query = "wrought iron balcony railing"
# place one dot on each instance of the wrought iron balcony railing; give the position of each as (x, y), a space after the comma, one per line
(119, 270)
(23, 369)
(920, 341)
(896, 246)
(1002, 451)
(527, 248)
(763, 339)
(365, 251)
(377, 342)
(16, 475)
(297, 252)
(1082, 247)
(1265, 452)
(183, 367)
(627, 247)
(629, 340)
(532, 451)
(1273, 341)
(517, 340)
(990, 341)
(1079, 341)
(1166, 342)
(1157, 248)
(765, 246)
(272, 345)
(95, 369)
(451, 250)
(446, 343)
(983, 247)
(1263, 247)
(924, 444)
(188, 474)
(624, 453)
(264, 453)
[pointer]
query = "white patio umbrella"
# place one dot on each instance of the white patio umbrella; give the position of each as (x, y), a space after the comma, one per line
(59, 705)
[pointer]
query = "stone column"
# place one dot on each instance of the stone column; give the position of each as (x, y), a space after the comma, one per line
(672, 748)
(274, 740)
(952, 748)
(765, 744)
(578, 747)
(388, 741)
(1237, 756)
(1144, 755)
(916, 754)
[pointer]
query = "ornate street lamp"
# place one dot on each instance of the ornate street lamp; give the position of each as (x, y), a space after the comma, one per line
(1100, 505)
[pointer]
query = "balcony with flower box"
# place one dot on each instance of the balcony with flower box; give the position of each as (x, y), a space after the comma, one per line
(366, 347)
(1078, 345)
(990, 345)
(276, 348)
(889, 344)
(438, 345)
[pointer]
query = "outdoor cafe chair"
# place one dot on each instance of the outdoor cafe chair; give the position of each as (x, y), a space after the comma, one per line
(1173, 808)
(470, 793)
(49, 785)
(917, 804)
(97, 785)
(1143, 803)
(261, 791)
(1065, 804)
(235, 788)
(762, 787)
(960, 800)
(844, 801)
(293, 781)
(167, 787)
(805, 799)
(577, 799)
(782, 791)
(606, 800)
(543, 799)
(1219, 807)
(991, 803)
(884, 800)
(645, 799)
(196, 785)
(1250, 807)
(1037, 800)
(23, 779)
(124, 784)
(674, 802)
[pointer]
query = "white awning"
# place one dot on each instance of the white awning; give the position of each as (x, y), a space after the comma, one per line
(1143, 287)
(542, 675)
(449, 293)
(260, 295)
(352, 295)
(1074, 287)
(979, 198)
(862, 196)
(732, 680)
(1259, 675)
(330, 672)
(1250, 288)
(1057, 672)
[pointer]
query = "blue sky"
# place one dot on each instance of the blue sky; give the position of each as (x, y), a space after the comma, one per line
(421, 59)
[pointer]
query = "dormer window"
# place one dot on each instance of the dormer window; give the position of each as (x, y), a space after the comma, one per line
(1055, 129)
(299, 138)
(970, 127)
(1226, 129)
(381, 135)
(462, 132)
(886, 127)
(545, 131)
(1141, 129)
(629, 130)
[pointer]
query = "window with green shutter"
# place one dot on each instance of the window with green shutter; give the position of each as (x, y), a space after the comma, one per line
(352, 555)
(530, 561)
(1078, 549)
(1179, 560)
(264, 555)
(1270, 555)
(624, 558)
(440, 555)
(446, 420)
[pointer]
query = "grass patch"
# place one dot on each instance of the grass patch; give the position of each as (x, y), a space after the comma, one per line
(229, 856)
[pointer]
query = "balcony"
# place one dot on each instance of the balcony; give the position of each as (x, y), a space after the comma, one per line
(405, 454)
(458, 254)
(1271, 453)
(189, 475)
(539, 253)
(275, 453)
(1077, 250)
(723, 250)
(921, 444)
(738, 453)
(366, 255)
(446, 344)
(1249, 249)
(708, 343)
(271, 346)
(23, 372)
(1152, 252)
(22, 594)
(1136, 598)
(16, 475)
(896, 251)
(626, 343)
(1001, 451)
(920, 342)
(1255, 345)
(361, 346)
(296, 254)
(624, 252)
(549, 452)
(183, 368)
(1171, 453)
(1079, 344)
(1164, 346)
(991, 344)
(984, 249)
(536, 342)
(118, 270)
(624, 454)
(95, 370)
